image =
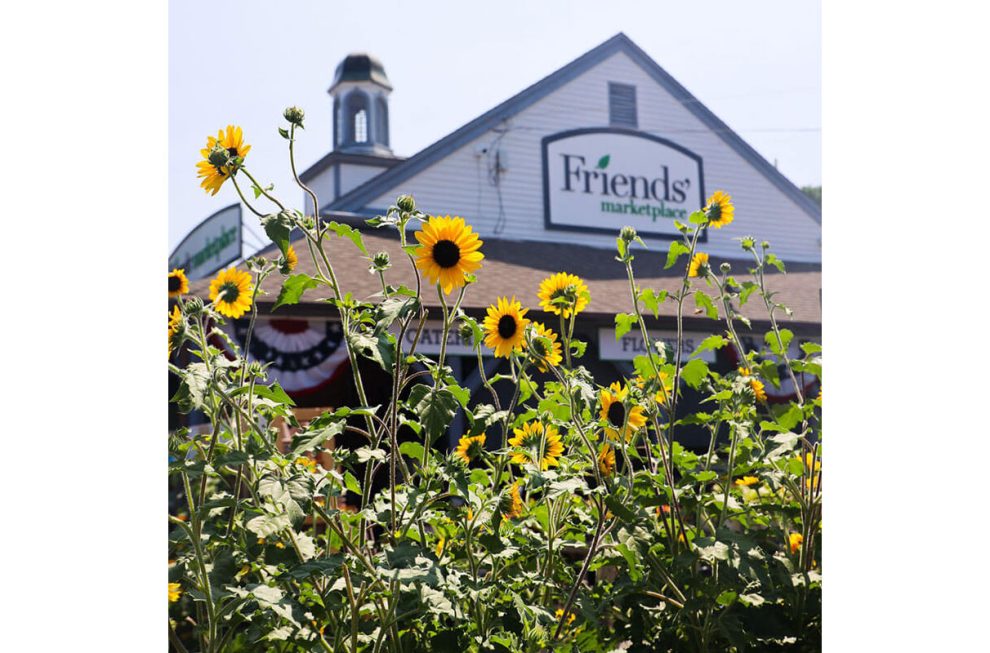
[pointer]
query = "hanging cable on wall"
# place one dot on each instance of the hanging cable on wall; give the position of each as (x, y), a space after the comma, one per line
(495, 171)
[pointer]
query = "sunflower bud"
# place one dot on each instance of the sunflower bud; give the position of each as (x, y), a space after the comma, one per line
(406, 203)
(255, 369)
(725, 268)
(294, 115)
(467, 333)
(193, 306)
(765, 244)
(381, 262)
(627, 234)
(505, 502)
(218, 156)
(748, 243)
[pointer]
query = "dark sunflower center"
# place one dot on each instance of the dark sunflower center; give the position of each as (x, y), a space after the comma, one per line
(229, 292)
(446, 253)
(174, 284)
(715, 211)
(506, 326)
(617, 413)
(232, 151)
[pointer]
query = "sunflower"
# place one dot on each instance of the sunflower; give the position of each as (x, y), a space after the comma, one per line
(174, 592)
(758, 391)
(214, 175)
(606, 460)
(719, 209)
(563, 293)
(512, 505)
(505, 327)
(662, 395)
(544, 357)
(308, 463)
(469, 448)
(570, 616)
(795, 540)
(699, 265)
(178, 284)
(174, 328)
(808, 458)
(746, 481)
(230, 291)
(288, 262)
(448, 250)
(537, 444)
(614, 412)
(754, 384)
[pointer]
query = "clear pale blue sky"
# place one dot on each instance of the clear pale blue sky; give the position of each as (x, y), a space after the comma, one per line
(755, 65)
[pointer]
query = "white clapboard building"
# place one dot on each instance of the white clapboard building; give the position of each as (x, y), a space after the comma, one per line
(547, 179)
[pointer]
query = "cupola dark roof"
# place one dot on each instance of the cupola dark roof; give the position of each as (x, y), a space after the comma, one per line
(360, 67)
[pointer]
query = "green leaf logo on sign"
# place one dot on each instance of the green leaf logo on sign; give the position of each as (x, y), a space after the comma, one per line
(603, 162)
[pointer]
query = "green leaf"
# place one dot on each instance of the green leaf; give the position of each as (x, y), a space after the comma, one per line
(772, 259)
(492, 543)
(694, 372)
(351, 483)
(752, 600)
(652, 299)
(631, 560)
(726, 598)
(810, 348)
(677, 248)
(273, 392)
(278, 227)
(364, 454)
(191, 394)
(463, 395)
(711, 343)
(698, 217)
(702, 300)
(293, 289)
(789, 416)
(775, 346)
(307, 440)
(268, 525)
(623, 323)
(748, 288)
(619, 510)
(412, 449)
(435, 408)
(603, 162)
(393, 308)
(380, 348)
(347, 231)
(578, 348)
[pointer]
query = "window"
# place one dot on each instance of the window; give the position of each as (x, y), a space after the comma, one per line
(381, 113)
(356, 117)
(622, 105)
(361, 126)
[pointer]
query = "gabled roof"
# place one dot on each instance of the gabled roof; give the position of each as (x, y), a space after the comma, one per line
(357, 199)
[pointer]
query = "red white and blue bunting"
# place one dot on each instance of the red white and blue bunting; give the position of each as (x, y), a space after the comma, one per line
(305, 355)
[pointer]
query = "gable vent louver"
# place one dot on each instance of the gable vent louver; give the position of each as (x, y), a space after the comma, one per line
(622, 105)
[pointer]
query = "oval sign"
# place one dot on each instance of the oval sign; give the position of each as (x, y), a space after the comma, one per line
(601, 179)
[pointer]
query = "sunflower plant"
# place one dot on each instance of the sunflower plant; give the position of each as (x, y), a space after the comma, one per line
(569, 517)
